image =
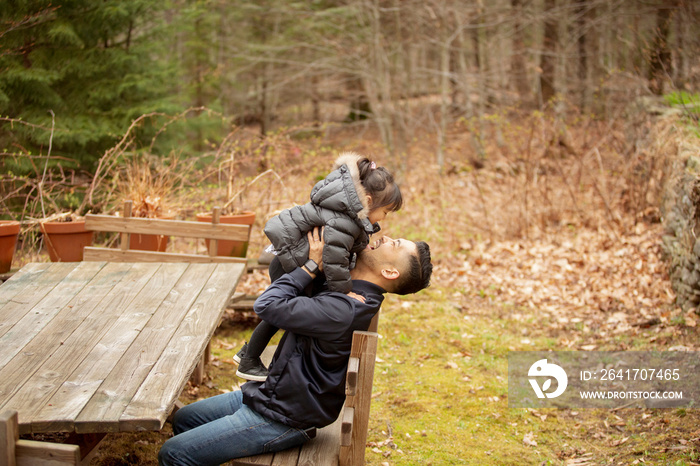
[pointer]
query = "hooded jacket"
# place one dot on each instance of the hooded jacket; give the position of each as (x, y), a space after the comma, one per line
(339, 204)
(306, 384)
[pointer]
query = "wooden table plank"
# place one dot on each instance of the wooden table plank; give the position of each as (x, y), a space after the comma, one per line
(107, 405)
(20, 293)
(112, 344)
(43, 311)
(172, 370)
(17, 283)
(61, 410)
(95, 320)
(23, 366)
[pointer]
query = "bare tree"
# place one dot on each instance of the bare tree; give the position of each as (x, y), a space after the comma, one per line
(549, 52)
(518, 69)
(660, 53)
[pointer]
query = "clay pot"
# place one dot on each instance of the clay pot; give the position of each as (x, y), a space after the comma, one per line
(231, 248)
(9, 231)
(65, 240)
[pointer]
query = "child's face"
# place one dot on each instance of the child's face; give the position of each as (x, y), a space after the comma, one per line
(377, 215)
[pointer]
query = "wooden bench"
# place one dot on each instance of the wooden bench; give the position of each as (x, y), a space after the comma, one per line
(343, 442)
(128, 225)
(14, 451)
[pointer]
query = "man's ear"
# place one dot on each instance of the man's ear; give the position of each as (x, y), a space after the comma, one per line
(390, 273)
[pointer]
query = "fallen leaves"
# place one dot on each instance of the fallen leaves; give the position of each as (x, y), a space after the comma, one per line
(619, 442)
(585, 280)
(386, 447)
(529, 440)
(584, 460)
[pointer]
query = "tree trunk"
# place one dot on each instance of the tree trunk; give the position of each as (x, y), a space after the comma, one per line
(444, 92)
(548, 61)
(517, 62)
(360, 108)
(660, 54)
(479, 64)
(263, 105)
(580, 10)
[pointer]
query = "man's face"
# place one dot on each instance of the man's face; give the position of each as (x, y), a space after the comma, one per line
(386, 252)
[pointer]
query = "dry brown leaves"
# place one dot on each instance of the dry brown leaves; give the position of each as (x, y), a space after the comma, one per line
(612, 284)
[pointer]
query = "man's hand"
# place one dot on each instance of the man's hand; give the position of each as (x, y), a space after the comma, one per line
(357, 296)
(316, 243)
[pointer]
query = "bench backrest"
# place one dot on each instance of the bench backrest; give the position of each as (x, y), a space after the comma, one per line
(358, 391)
(128, 226)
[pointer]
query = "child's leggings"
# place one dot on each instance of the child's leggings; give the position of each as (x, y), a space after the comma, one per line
(264, 332)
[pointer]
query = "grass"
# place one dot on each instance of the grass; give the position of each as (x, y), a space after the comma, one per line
(441, 397)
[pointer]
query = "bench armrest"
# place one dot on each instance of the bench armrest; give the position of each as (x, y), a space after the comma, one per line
(351, 380)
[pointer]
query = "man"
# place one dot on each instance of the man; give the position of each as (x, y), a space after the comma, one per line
(305, 389)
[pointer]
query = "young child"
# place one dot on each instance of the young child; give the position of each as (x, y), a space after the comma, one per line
(348, 204)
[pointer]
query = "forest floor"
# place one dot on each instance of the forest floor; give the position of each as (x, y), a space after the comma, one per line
(532, 251)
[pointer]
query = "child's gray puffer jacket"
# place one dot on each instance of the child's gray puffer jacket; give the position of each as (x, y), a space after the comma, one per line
(339, 204)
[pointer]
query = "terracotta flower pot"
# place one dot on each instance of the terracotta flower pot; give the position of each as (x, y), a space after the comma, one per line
(65, 240)
(151, 242)
(231, 248)
(9, 230)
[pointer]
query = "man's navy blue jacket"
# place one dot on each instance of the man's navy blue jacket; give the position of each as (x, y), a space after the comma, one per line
(306, 385)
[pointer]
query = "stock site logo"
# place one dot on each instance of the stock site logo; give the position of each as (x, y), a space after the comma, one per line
(542, 368)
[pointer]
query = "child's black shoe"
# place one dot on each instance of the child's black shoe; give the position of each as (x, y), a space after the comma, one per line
(252, 369)
(241, 353)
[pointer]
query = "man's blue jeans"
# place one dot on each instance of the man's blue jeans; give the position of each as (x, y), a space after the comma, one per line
(218, 429)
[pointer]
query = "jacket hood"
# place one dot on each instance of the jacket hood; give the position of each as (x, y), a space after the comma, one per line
(350, 159)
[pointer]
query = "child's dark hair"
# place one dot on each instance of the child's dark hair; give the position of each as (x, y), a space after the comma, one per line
(380, 185)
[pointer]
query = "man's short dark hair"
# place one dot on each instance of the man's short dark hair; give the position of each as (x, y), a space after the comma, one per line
(417, 277)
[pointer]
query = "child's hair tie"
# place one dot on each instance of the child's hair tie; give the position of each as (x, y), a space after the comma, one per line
(372, 165)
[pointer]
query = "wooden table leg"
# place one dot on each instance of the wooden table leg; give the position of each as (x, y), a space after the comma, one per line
(87, 443)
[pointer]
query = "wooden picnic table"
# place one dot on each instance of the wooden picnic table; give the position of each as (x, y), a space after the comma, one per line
(98, 347)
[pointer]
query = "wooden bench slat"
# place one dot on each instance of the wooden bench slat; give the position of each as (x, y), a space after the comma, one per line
(131, 255)
(31, 452)
(257, 460)
(289, 457)
(346, 426)
(16, 452)
(9, 434)
(364, 347)
(351, 380)
(155, 226)
(322, 450)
